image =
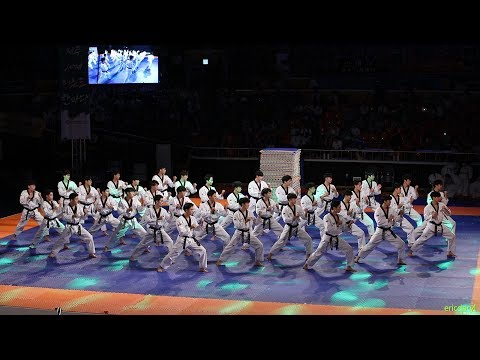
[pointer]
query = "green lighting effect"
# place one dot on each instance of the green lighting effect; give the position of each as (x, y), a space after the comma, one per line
(118, 265)
(231, 263)
(144, 304)
(290, 310)
(475, 271)
(360, 276)
(412, 313)
(4, 243)
(216, 253)
(467, 309)
(236, 286)
(371, 303)
(402, 270)
(445, 265)
(23, 248)
(235, 308)
(5, 261)
(116, 251)
(257, 270)
(36, 258)
(81, 301)
(11, 295)
(344, 296)
(202, 284)
(449, 225)
(81, 283)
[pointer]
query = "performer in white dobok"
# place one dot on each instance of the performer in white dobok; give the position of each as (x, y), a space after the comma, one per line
(155, 219)
(385, 219)
(186, 240)
(410, 194)
(291, 215)
(87, 195)
(326, 192)
(370, 188)
(397, 206)
(334, 225)
(31, 200)
(139, 192)
(361, 204)
(127, 209)
(233, 203)
(51, 209)
(176, 205)
(149, 195)
(255, 188)
(447, 220)
(191, 188)
(265, 209)
(65, 188)
(348, 210)
(210, 212)
(310, 206)
(72, 214)
(116, 187)
(164, 182)
(207, 187)
(103, 208)
(434, 214)
(243, 220)
(282, 191)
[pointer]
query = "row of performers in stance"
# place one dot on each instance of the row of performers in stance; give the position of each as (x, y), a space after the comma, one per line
(144, 213)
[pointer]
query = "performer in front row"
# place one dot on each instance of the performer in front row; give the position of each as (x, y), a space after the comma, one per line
(385, 219)
(334, 226)
(266, 208)
(313, 211)
(349, 211)
(434, 214)
(31, 200)
(103, 208)
(243, 221)
(210, 212)
(291, 215)
(186, 240)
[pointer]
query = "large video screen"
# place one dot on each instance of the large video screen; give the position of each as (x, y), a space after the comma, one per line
(122, 65)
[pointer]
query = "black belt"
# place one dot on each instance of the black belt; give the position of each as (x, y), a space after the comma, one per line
(309, 213)
(370, 196)
(212, 224)
(103, 216)
(436, 227)
(79, 228)
(265, 219)
(384, 230)
(185, 241)
(232, 210)
(326, 204)
(155, 230)
(85, 203)
(29, 211)
(104, 71)
(290, 230)
(177, 215)
(282, 205)
(116, 196)
(126, 219)
(243, 236)
(52, 219)
(333, 243)
(66, 198)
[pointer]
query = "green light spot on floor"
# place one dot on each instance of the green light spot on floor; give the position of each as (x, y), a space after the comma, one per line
(3, 243)
(144, 304)
(342, 297)
(81, 283)
(23, 248)
(290, 310)
(402, 270)
(115, 251)
(72, 304)
(370, 303)
(235, 308)
(475, 271)
(37, 258)
(231, 263)
(202, 284)
(412, 313)
(217, 253)
(236, 286)
(118, 265)
(445, 265)
(378, 284)
(257, 270)
(360, 276)
(6, 261)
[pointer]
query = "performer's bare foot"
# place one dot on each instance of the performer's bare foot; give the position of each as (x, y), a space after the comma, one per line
(104, 233)
(203, 270)
(91, 256)
(188, 253)
(66, 247)
(259, 264)
(269, 257)
(357, 259)
(122, 241)
(14, 237)
(147, 250)
(52, 255)
(132, 259)
(160, 269)
(410, 253)
(305, 267)
(350, 269)
(451, 255)
(47, 239)
(219, 263)
(105, 248)
(401, 262)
